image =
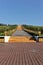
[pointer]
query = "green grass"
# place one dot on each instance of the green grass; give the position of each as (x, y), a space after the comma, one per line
(4, 28)
(34, 29)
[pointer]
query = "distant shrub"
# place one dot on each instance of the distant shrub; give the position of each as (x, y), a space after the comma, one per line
(34, 28)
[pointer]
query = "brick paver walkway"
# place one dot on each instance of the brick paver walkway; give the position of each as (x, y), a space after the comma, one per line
(21, 54)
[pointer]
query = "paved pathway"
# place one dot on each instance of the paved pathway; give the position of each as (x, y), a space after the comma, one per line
(21, 54)
(20, 33)
(20, 36)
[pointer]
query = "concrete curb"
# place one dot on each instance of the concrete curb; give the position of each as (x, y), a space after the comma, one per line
(5, 38)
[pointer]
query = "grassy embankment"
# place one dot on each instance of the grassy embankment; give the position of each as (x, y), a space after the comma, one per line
(34, 30)
(7, 29)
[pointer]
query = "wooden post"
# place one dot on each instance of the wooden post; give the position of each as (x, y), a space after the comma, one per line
(5, 33)
(39, 33)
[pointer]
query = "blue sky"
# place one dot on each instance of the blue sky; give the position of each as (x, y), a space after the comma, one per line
(21, 12)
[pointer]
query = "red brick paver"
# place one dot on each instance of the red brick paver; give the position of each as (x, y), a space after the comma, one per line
(21, 54)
